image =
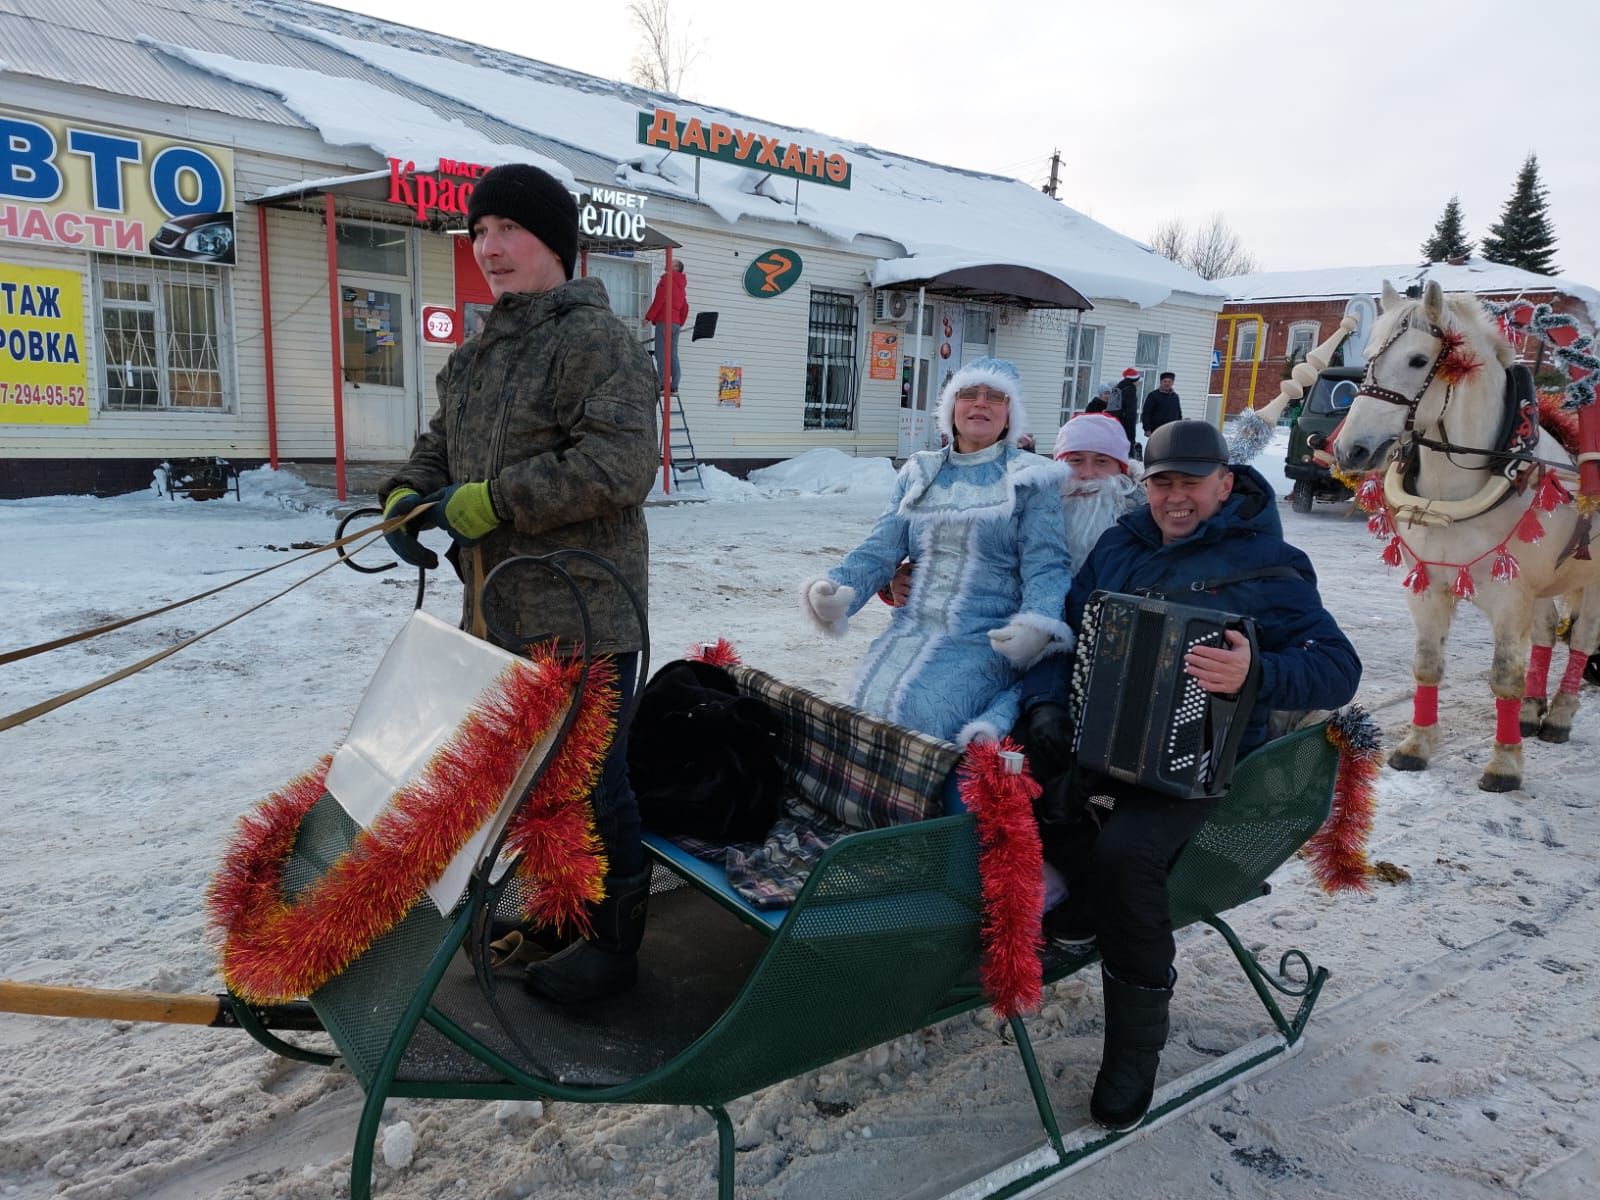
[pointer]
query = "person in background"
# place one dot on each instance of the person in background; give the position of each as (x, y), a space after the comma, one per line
(1161, 407)
(983, 521)
(1210, 537)
(668, 310)
(1124, 405)
(1100, 400)
(545, 440)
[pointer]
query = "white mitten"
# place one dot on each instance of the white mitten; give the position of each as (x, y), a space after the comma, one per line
(828, 605)
(1020, 644)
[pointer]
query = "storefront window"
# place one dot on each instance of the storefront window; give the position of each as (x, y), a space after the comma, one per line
(1149, 355)
(831, 361)
(160, 335)
(371, 249)
(374, 350)
(1083, 363)
(626, 281)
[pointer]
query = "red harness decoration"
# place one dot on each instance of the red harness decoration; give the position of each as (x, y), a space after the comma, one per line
(274, 951)
(1549, 495)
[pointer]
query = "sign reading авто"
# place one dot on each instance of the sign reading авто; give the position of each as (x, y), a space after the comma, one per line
(726, 143)
(68, 183)
(43, 377)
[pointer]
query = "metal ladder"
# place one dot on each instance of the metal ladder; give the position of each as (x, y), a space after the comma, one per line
(684, 462)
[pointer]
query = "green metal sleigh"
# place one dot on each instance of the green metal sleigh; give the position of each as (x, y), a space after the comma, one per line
(882, 940)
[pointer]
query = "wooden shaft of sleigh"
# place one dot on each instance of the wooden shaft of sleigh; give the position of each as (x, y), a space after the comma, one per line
(216, 1012)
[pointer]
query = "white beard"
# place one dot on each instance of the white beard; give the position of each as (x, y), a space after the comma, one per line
(1093, 506)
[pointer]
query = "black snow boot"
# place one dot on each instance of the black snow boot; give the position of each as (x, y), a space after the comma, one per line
(607, 962)
(1136, 1030)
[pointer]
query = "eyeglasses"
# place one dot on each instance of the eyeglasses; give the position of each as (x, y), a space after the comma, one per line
(982, 395)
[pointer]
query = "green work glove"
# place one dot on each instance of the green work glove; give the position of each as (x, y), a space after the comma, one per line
(465, 512)
(403, 539)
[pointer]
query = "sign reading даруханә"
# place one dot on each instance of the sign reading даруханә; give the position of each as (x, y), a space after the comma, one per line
(86, 187)
(727, 144)
(605, 214)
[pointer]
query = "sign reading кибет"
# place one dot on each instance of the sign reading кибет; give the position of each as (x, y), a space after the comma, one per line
(729, 144)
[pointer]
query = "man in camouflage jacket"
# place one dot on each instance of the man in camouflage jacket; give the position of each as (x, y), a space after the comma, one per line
(545, 440)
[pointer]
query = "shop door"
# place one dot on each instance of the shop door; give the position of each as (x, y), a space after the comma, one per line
(380, 408)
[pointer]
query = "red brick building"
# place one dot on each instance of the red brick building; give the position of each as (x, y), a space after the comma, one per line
(1298, 309)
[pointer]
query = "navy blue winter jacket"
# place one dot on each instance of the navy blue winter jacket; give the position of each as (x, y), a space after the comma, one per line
(1306, 661)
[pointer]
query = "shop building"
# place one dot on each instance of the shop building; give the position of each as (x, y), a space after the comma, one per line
(1274, 318)
(227, 230)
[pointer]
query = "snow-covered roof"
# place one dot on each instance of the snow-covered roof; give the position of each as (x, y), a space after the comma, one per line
(1475, 275)
(412, 95)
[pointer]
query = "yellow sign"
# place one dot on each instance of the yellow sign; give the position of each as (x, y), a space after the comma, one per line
(730, 385)
(43, 377)
(68, 183)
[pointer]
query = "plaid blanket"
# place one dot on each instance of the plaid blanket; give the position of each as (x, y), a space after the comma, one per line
(845, 771)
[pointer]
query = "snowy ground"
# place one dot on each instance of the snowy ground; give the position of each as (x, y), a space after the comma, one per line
(1456, 1051)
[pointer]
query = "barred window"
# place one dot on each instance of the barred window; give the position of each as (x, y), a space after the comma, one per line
(159, 328)
(831, 361)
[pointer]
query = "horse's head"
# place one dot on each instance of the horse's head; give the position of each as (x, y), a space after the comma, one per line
(1418, 349)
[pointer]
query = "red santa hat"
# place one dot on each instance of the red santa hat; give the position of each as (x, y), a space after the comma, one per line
(1093, 433)
(1131, 372)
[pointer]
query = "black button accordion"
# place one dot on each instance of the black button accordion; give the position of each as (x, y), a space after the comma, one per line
(1139, 717)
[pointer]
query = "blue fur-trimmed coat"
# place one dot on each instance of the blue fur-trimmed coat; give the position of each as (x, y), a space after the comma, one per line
(988, 537)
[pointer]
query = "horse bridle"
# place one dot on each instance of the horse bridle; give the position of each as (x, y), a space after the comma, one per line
(1410, 436)
(1370, 386)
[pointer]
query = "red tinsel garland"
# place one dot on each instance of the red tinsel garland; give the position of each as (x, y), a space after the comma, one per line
(1338, 851)
(1011, 864)
(560, 860)
(274, 951)
(718, 654)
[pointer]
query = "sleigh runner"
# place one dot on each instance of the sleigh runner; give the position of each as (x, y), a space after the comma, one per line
(886, 936)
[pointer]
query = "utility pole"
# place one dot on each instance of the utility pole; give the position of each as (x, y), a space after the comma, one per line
(1055, 175)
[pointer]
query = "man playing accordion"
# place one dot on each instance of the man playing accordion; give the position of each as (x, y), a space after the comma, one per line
(1210, 538)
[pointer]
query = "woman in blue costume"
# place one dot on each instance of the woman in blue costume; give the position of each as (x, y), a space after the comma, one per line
(983, 521)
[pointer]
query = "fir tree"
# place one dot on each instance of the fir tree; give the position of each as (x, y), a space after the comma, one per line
(1449, 239)
(1522, 237)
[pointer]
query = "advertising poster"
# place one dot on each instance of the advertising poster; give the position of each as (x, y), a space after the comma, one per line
(88, 187)
(43, 377)
(730, 385)
(885, 355)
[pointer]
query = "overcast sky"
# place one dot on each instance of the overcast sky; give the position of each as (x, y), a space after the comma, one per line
(1326, 134)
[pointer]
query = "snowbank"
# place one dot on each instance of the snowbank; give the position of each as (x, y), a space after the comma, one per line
(826, 471)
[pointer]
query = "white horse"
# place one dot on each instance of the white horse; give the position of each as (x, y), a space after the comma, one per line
(1434, 410)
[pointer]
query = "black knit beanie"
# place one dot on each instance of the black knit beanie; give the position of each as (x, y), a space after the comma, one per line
(533, 199)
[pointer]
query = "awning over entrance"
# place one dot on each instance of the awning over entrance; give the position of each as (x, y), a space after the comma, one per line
(1014, 284)
(367, 195)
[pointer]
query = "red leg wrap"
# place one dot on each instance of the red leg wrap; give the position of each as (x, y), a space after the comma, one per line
(1572, 678)
(1537, 685)
(1508, 721)
(1425, 705)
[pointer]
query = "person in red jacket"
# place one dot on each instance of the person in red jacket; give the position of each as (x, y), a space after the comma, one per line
(668, 311)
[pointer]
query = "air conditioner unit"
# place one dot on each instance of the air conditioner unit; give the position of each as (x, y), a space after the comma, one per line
(890, 307)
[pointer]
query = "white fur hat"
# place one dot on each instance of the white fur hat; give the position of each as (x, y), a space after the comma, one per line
(1094, 433)
(998, 374)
